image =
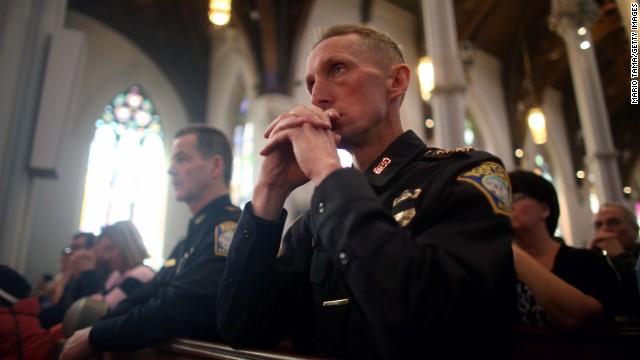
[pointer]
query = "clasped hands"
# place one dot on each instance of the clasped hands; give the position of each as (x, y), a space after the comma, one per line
(301, 146)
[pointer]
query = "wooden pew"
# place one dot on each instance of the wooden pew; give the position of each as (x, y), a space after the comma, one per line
(189, 349)
(614, 342)
(611, 342)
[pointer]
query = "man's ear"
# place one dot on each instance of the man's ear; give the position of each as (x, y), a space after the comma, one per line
(546, 210)
(217, 168)
(401, 75)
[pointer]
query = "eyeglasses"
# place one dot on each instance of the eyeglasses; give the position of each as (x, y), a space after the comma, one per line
(69, 249)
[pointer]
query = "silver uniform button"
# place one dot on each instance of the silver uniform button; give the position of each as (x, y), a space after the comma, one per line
(343, 258)
(321, 207)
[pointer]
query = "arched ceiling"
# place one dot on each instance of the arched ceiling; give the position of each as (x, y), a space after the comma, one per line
(175, 33)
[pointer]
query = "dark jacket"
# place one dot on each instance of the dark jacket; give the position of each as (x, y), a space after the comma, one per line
(409, 260)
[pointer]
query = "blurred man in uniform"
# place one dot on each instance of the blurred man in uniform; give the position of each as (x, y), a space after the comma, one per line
(405, 255)
(180, 300)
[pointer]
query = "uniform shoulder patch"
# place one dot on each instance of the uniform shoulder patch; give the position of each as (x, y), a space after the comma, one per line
(493, 181)
(223, 236)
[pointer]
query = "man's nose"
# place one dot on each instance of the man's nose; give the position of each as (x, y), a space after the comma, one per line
(320, 95)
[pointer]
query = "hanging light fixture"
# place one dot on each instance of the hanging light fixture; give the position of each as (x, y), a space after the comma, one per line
(425, 76)
(535, 116)
(537, 125)
(219, 12)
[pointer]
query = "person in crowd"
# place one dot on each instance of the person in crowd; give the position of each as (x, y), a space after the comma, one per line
(76, 280)
(616, 234)
(558, 285)
(52, 291)
(121, 249)
(21, 335)
(180, 300)
(401, 256)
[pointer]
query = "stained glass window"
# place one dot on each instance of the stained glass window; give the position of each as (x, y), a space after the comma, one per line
(242, 170)
(126, 159)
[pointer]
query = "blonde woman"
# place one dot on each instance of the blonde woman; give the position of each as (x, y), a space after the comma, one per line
(121, 249)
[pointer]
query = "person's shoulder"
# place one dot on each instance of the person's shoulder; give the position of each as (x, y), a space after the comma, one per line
(460, 154)
(473, 171)
(461, 160)
(218, 211)
(228, 215)
(232, 209)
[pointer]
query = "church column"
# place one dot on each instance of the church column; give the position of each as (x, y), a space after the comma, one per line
(25, 34)
(571, 19)
(624, 8)
(448, 94)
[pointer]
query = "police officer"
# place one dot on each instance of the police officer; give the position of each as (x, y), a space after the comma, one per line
(405, 255)
(180, 300)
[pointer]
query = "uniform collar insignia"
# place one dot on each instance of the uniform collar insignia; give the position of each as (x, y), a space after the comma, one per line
(395, 157)
(199, 219)
(383, 164)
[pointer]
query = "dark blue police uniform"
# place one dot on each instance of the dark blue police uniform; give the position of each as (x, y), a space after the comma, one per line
(180, 301)
(411, 259)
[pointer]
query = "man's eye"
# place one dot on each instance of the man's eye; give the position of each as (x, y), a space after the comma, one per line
(338, 69)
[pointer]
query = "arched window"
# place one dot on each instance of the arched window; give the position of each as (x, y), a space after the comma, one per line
(126, 159)
(242, 170)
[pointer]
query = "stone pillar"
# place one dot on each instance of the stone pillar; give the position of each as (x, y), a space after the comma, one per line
(624, 8)
(567, 18)
(25, 33)
(447, 96)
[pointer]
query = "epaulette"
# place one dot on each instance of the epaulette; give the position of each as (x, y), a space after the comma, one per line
(438, 154)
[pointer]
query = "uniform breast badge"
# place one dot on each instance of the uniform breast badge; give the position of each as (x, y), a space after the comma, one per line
(404, 206)
(492, 180)
(223, 236)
